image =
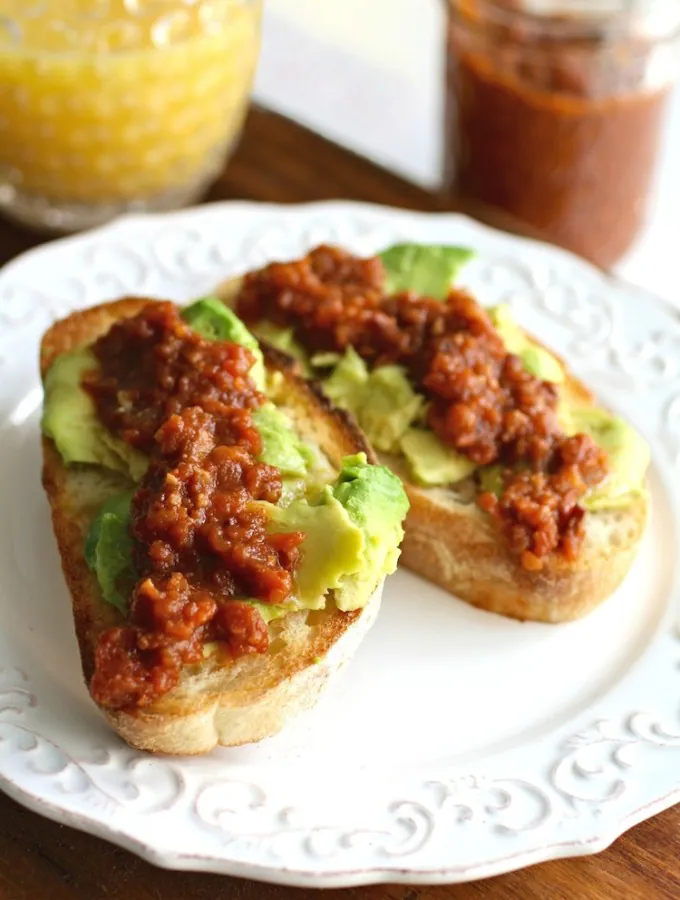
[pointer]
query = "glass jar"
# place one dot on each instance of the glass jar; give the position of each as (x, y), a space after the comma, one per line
(109, 106)
(554, 113)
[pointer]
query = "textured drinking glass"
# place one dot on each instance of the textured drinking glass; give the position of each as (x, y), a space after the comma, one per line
(110, 106)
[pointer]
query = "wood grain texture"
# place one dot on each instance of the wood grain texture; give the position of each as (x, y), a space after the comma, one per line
(278, 161)
(39, 859)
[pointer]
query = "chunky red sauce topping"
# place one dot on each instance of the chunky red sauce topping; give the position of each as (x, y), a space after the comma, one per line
(482, 401)
(200, 540)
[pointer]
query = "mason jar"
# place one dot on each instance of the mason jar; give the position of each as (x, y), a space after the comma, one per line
(109, 106)
(554, 115)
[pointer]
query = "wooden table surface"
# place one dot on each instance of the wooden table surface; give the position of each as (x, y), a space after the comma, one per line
(280, 162)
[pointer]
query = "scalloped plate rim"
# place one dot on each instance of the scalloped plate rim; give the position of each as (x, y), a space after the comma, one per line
(332, 207)
(343, 876)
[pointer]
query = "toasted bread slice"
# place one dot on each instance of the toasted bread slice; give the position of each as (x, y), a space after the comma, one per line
(221, 701)
(450, 541)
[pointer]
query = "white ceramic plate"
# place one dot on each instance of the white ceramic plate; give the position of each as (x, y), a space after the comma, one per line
(458, 744)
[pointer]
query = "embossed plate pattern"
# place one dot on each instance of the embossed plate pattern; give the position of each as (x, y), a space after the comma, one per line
(457, 745)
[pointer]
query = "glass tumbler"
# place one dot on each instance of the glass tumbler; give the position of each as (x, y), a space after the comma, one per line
(111, 106)
(554, 115)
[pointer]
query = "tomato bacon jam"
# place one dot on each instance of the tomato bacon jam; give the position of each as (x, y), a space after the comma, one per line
(200, 539)
(482, 402)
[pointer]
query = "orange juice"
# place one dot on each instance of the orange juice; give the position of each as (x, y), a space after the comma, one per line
(118, 102)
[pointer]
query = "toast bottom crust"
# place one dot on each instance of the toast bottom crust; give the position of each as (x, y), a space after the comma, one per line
(459, 549)
(232, 719)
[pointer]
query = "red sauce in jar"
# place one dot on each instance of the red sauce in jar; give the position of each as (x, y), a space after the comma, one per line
(558, 137)
(200, 538)
(482, 401)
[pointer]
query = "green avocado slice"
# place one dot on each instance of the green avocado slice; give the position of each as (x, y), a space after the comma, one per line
(629, 456)
(431, 462)
(376, 502)
(281, 446)
(216, 322)
(389, 407)
(108, 550)
(425, 269)
(537, 360)
(70, 419)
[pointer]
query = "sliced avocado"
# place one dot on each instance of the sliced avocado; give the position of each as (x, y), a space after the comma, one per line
(542, 364)
(117, 506)
(346, 384)
(389, 407)
(564, 419)
(325, 360)
(491, 480)
(376, 502)
(428, 270)
(216, 322)
(283, 339)
(504, 322)
(430, 461)
(383, 400)
(70, 419)
(629, 456)
(333, 546)
(352, 534)
(304, 468)
(281, 446)
(536, 359)
(137, 463)
(271, 611)
(108, 550)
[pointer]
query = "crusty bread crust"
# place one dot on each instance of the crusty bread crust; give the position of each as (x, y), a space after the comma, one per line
(458, 547)
(222, 701)
(451, 542)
